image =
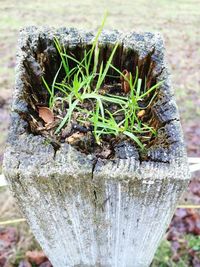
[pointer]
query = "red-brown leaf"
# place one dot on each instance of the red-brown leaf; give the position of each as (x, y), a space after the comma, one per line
(46, 264)
(8, 236)
(46, 114)
(125, 81)
(24, 263)
(36, 257)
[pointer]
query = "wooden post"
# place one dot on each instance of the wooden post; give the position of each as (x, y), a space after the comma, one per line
(87, 211)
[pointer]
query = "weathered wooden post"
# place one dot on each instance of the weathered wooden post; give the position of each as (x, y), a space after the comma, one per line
(88, 211)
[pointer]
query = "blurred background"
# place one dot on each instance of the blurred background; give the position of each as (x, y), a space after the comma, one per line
(179, 22)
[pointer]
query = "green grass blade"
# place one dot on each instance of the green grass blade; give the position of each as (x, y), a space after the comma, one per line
(99, 76)
(96, 59)
(95, 123)
(97, 37)
(49, 91)
(108, 64)
(67, 117)
(53, 86)
(118, 96)
(64, 61)
(134, 138)
(46, 85)
(151, 89)
(136, 78)
(101, 107)
(61, 89)
(139, 84)
(79, 63)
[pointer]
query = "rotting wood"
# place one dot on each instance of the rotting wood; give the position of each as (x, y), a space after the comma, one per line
(86, 211)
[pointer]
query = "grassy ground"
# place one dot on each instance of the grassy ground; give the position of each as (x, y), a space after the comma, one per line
(177, 20)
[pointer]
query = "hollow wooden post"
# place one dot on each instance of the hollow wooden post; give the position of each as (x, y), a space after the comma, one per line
(87, 211)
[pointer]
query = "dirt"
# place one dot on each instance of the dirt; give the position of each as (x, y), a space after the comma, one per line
(81, 134)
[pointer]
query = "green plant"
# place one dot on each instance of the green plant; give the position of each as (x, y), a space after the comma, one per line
(83, 83)
(194, 242)
(189, 248)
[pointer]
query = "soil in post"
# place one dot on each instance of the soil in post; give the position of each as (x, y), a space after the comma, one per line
(96, 97)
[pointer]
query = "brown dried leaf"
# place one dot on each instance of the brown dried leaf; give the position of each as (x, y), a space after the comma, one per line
(195, 187)
(8, 236)
(52, 125)
(24, 263)
(46, 264)
(125, 81)
(3, 259)
(46, 114)
(36, 257)
(141, 113)
(74, 137)
(185, 221)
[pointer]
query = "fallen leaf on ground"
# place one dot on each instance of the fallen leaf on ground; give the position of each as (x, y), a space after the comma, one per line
(74, 137)
(195, 187)
(46, 114)
(8, 237)
(24, 263)
(36, 257)
(185, 221)
(3, 259)
(46, 264)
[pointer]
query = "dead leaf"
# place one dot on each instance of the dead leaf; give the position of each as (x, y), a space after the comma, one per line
(141, 113)
(3, 259)
(195, 187)
(24, 263)
(8, 237)
(125, 81)
(181, 213)
(46, 264)
(46, 114)
(8, 240)
(74, 137)
(185, 221)
(36, 257)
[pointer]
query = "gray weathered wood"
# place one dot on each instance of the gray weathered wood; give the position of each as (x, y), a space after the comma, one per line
(85, 211)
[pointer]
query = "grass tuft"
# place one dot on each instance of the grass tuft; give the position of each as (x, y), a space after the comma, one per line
(84, 83)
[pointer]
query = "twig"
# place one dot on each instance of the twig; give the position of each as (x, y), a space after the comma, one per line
(13, 221)
(188, 206)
